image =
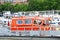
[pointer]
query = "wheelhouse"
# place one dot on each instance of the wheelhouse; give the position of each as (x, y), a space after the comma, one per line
(30, 23)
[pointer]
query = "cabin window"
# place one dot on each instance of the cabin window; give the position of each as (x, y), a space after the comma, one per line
(19, 22)
(27, 21)
(47, 22)
(37, 22)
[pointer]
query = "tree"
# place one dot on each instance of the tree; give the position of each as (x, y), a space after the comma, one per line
(33, 5)
(37, 5)
(58, 5)
(16, 8)
(7, 7)
(1, 7)
(23, 7)
(20, 7)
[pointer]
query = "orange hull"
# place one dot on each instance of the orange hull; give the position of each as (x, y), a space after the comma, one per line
(31, 26)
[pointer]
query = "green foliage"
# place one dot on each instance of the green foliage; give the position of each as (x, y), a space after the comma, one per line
(13, 8)
(16, 8)
(7, 7)
(20, 7)
(1, 8)
(44, 5)
(23, 7)
(33, 5)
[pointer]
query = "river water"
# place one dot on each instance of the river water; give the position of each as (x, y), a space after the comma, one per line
(21, 38)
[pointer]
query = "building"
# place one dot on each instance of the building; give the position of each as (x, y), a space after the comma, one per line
(14, 1)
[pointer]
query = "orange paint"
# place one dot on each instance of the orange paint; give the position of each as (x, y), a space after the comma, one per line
(30, 26)
(35, 29)
(28, 29)
(42, 28)
(22, 29)
(47, 28)
(13, 28)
